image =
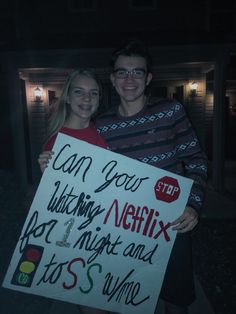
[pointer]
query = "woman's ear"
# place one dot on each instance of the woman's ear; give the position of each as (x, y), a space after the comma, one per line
(112, 78)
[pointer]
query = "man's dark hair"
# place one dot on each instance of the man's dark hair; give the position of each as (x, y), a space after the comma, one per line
(135, 48)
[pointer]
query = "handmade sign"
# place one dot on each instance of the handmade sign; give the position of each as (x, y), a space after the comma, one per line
(98, 231)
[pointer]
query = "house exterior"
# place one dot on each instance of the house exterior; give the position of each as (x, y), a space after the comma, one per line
(43, 41)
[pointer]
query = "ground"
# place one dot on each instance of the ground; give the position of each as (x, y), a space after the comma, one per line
(214, 251)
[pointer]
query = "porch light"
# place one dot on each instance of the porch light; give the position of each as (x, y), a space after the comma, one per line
(193, 88)
(38, 93)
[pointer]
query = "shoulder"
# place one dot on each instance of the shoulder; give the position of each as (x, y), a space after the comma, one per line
(164, 105)
(106, 117)
(50, 142)
(97, 138)
(92, 126)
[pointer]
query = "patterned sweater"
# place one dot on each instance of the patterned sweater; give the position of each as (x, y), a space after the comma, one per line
(162, 136)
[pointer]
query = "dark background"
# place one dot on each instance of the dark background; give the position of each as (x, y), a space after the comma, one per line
(71, 24)
(104, 23)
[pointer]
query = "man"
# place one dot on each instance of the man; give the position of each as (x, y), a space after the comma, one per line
(158, 133)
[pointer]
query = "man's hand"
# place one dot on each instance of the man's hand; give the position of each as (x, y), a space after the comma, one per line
(187, 221)
(44, 158)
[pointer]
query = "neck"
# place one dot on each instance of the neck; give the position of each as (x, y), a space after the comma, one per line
(130, 108)
(77, 124)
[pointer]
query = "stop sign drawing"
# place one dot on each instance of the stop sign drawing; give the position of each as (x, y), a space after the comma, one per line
(167, 189)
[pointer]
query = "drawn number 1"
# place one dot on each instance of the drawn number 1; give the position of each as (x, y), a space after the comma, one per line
(64, 242)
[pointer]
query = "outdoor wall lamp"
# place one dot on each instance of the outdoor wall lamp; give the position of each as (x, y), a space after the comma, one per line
(38, 93)
(193, 88)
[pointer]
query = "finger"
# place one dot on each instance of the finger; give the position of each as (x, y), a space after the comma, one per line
(42, 168)
(186, 226)
(46, 153)
(43, 161)
(45, 156)
(177, 221)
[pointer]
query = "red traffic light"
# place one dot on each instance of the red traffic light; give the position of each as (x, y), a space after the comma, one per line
(27, 265)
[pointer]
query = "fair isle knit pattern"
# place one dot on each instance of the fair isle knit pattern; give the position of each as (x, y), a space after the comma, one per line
(162, 136)
(140, 120)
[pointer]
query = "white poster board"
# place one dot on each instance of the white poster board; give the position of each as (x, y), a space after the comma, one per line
(98, 230)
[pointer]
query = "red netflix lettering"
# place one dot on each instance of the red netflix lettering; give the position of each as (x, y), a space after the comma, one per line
(138, 219)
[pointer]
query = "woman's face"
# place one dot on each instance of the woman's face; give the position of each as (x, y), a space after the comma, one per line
(83, 97)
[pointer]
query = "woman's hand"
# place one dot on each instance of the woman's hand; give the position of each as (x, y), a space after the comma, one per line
(44, 158)
(187, 221)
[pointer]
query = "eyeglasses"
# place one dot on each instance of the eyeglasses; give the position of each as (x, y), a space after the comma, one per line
(134, 73)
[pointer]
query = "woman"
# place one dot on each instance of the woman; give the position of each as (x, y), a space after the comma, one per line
(72, 116)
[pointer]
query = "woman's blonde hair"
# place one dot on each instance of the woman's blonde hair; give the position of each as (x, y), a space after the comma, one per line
(61, 109)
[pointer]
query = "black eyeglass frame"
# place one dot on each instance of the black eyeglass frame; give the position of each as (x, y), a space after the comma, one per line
(130, 72)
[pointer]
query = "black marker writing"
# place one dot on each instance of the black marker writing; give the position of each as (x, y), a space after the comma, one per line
(64, 201)
(130, 182)
(122, 288)
(52, 276)
(72, 163)
(88, 242)
(138, 251)
(36, 231)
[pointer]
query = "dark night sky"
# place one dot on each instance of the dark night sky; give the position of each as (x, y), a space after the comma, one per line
(51, 24)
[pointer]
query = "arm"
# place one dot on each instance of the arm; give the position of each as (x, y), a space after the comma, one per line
(194, 164)
(47, 153)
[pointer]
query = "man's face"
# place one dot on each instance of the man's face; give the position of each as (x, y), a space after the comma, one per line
(130, 77)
